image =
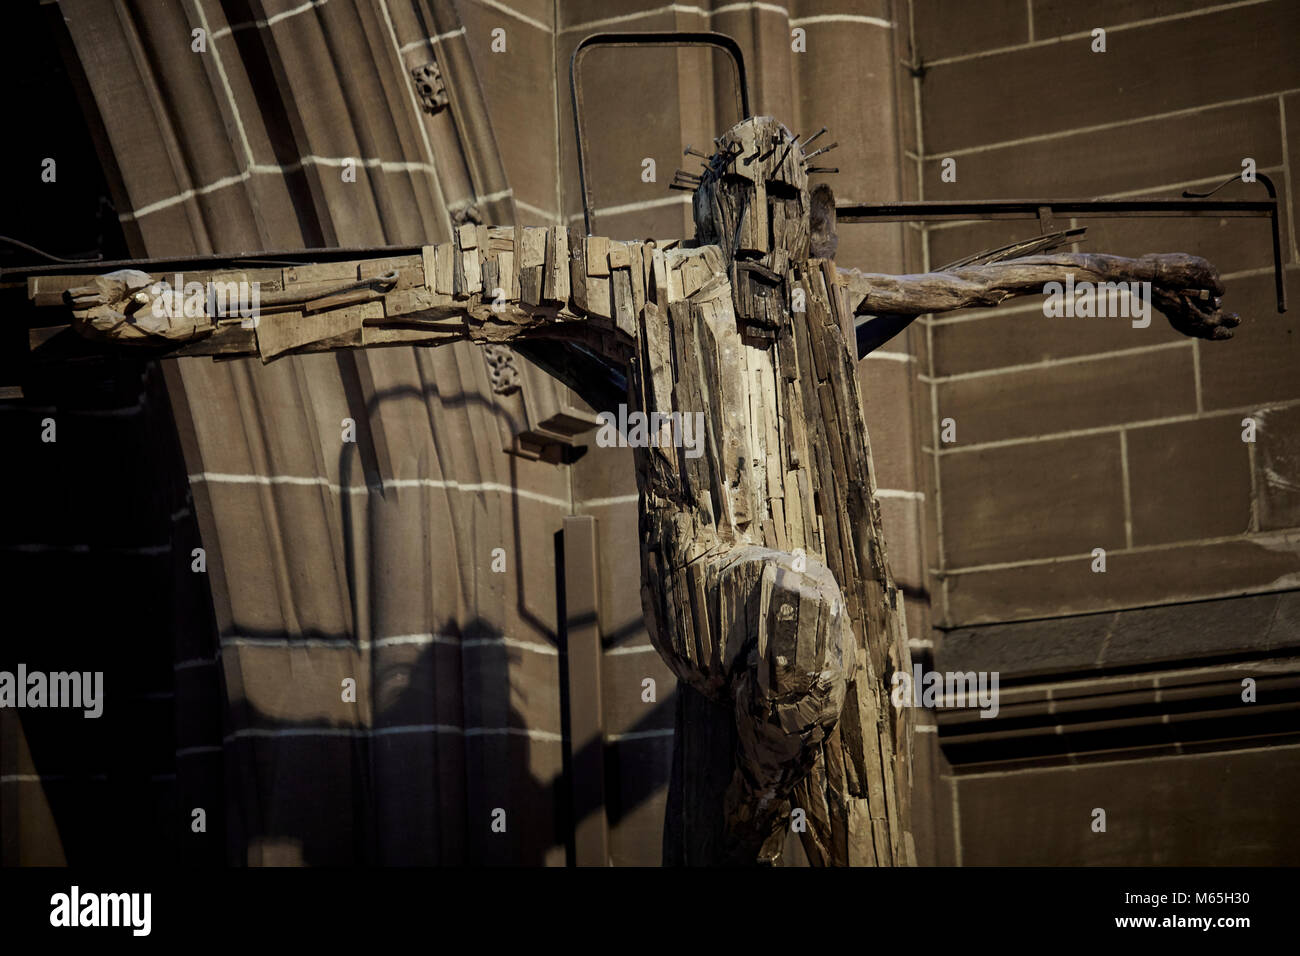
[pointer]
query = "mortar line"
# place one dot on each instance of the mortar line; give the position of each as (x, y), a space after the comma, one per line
(1114, 124)
(511, 12)
(262, 24)
(1124, 479)
(753, 5)
(414, 103)
(1254, 483)
(1053, 363)
(1286, 181)
(1196, 375)
(1288, 536)
(225, 85)
(1087, 34)
(1104, 429)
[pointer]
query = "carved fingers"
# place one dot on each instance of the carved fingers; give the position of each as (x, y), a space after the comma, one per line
(1195, 313)
(130, 306)
(1188, 291)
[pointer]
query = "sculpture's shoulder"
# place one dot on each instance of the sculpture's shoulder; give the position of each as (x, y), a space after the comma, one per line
(694, 273)
(527, 265)
(613, 281)
(592, 285)
(857, 285)
(606, 281)
(610, 280)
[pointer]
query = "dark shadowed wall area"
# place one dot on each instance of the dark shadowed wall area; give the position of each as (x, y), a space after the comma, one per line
(373, 560)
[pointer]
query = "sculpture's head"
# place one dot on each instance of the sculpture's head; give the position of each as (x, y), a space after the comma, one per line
(753, 201)
(753, 194)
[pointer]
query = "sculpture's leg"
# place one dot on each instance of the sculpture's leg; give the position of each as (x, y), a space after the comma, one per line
(768, 707)
(786, 699)
(787, 653)
(765, 584)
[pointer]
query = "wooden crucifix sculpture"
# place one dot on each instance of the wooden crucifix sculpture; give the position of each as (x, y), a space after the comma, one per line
(765, 583)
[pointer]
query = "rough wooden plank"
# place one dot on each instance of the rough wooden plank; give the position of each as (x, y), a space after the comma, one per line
(445, 269)
(532, 247)
(429, 259)
(531, 264)
(600, 303)
(556, 285)
(283, 331)
(321, 272)
(507, 277)
(636, 254)
(471, 269)
(597, 256)
(578, 271)
(409, 269)
(624, 306)
(619, 257)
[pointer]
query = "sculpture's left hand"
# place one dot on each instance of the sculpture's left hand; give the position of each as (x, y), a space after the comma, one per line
(1188, 290)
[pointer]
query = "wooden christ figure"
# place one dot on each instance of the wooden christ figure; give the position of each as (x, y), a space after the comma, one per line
(765, 582)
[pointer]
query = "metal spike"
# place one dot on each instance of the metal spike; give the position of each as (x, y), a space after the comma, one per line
(683, 187)
(776, 143)
(804, 144)
(692, 151)
(823, 169)
(824, 149)
(787, 152)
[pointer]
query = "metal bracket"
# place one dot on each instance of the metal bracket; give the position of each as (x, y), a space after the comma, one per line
(1191, 204)
(651, 38)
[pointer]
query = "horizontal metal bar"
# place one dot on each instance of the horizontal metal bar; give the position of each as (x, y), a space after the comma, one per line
(237, 260)
(928, 211)
(1190, 205)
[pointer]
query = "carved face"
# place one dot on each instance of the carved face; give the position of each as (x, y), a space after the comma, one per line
(753, 202)
(753, 196)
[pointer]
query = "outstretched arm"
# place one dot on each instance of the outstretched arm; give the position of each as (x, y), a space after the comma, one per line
(566, 301)
(492, 285)
(1187, 289)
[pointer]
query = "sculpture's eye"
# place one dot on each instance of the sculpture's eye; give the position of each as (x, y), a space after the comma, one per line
(782, 190)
